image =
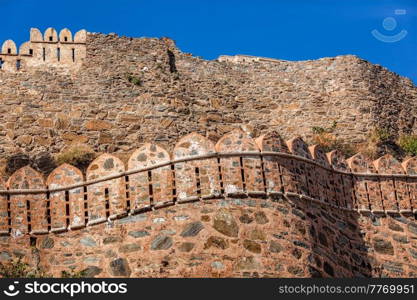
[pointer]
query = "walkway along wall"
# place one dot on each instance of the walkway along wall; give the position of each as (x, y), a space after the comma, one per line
(243, 207)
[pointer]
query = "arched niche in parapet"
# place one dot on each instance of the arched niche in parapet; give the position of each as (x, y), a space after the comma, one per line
(106, 199)
(279, 177)
(80, 36)
(410, 168)
(365, 187)
(298, 147)
(9, 47)
(393, 190)
(359, 163)
(197, 178)
(343, 184)
(71, 200)
(338, 161)
(272, 141)
(387, 164)
(303, 170)
(319, 155)
(240, 174)
(152, 187)
(50, 35)
(28, 211)
(65, 36)
(4, 214)
(35, 35)
(25, 49)
(320, 183)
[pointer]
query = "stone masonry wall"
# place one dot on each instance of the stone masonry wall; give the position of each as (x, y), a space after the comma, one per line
(129, 91)
(242, 207)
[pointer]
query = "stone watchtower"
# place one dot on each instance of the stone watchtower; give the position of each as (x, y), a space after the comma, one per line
(49, 49)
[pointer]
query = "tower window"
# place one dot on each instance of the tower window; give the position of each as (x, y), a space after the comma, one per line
(58, 53)
(73, 54)
(18, 64)
(30, 51)
(50, 38)
(9, 51)
(66, 39)
(43, 54)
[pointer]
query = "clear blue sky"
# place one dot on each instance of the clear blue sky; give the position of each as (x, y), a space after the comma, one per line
(284, 29)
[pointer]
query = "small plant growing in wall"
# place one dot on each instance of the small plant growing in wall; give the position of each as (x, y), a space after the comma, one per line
(19, 269)
(329, 142)
(134, 80)
(73, 274)
(78, 155)
(380, 135)
(377, 138)
(321, 130)
(408, 143)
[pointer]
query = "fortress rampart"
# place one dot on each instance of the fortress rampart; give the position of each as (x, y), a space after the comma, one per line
(241, 58)
(47, 50)
(240, 207)
(214, 202)
(92, 101)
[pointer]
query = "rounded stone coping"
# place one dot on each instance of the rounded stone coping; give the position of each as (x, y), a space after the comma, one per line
(198, 157)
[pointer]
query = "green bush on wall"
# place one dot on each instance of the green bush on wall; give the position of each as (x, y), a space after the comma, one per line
(134, 80)
(19, 269)
(408, 143)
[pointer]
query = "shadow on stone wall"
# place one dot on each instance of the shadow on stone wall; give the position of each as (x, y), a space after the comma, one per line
(337, 248)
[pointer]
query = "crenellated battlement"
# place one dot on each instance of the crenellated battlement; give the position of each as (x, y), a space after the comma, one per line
(45, 50)
(242, 58)
(237, 166)
(242, 206)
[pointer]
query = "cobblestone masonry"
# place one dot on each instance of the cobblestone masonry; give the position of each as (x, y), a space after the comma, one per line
(299, 213)
(46, 105)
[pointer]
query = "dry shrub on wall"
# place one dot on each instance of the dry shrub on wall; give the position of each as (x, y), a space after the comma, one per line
(378, 143)
(371, 147)
(329, 142)
(78, 155)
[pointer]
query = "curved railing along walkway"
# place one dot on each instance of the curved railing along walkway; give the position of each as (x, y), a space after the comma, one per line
(237, 166)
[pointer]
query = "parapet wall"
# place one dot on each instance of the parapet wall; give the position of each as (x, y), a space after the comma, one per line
(47, 50)
(240, 58)
(352, 211)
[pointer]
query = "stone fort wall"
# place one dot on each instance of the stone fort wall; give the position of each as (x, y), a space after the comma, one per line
(45, 50)
(242, 207)
(45, 109)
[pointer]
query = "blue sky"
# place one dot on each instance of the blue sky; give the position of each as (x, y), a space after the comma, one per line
(284, 29)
